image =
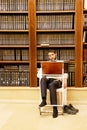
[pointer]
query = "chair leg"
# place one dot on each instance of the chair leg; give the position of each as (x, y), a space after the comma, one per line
(62, 111)
(40, 110)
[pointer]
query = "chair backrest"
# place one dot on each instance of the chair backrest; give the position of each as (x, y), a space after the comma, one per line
(52, 67)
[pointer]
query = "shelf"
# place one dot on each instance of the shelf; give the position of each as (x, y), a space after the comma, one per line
(26, 31)
(55, 46)
(67, 61)
(13, 12)
(54, 12)
(14, 46)
(62, 30)
(14, 62)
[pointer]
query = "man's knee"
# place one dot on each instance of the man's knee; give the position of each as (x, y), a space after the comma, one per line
(55, 83)
(43, 78)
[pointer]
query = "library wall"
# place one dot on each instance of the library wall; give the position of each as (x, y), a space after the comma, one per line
(29, 28)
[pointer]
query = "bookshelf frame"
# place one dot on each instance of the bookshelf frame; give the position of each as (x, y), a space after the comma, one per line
(32, 37)
(79, 44)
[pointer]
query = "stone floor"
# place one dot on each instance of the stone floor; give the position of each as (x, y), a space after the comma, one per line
(26, 116)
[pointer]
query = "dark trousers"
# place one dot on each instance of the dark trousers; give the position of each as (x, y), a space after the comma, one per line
(51, 84)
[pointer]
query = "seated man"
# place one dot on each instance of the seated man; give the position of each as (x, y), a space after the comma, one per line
(51, 84)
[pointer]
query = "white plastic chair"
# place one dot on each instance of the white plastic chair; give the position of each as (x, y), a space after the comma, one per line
(62, 92)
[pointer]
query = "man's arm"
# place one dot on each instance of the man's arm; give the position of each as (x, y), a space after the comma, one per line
(39, 73)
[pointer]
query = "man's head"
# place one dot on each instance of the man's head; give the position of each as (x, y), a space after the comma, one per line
(52, 55)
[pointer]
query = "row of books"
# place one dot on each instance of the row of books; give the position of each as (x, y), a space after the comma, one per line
(85, 19)
(55, 4)
(71, 74)
(42, 39)
(60, 21)
(14, 54)
(13, 22)
(14, 39)
(71, 79)
(62, 54)
(85, 36)
(71, 67)
(85, 53)
(56, 39)
(13, 5)
(17, 68)
(85, 68)
(85, 80)
(22, 78)
(14, 75)
(14, 78)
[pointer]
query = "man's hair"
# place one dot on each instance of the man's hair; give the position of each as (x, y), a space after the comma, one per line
(53, 51)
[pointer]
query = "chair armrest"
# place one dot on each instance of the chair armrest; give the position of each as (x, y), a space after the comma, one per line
(65, 82)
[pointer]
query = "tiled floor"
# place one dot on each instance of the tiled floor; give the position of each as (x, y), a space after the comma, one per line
(25, 116)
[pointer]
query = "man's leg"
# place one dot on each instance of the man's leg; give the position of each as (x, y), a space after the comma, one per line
(53, 98)
(53, 95)
(43, 87)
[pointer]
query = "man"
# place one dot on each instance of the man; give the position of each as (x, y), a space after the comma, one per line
(51, 84)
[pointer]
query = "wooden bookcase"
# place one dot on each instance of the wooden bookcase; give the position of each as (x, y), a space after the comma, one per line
(76, 29)
(50, 24)
(14, 43)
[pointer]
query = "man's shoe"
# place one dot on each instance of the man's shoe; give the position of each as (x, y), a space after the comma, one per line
(73, 108)
(68, 110)
(43, 103)
(55, 113)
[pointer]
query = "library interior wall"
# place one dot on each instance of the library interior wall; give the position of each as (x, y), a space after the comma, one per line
(25, 93)
(30, 14)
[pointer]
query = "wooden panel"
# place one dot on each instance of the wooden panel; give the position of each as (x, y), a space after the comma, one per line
(32, 28)
(78, 38)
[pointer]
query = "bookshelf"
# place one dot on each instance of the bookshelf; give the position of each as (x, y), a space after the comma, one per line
(14, 43)
(55, 29)
(29, 28)
(59, 27)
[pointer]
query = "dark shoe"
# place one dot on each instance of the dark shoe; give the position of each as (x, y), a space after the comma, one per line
(55, 113)
(43, 103)
(73, 108)
(68, 110)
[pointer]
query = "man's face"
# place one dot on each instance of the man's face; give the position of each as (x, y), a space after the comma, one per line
(52, 56)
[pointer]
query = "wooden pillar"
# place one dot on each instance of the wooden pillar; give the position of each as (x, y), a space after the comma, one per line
(32, 50)
(78, 42)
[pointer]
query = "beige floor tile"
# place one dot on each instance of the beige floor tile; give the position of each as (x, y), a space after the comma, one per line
(24, 116)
